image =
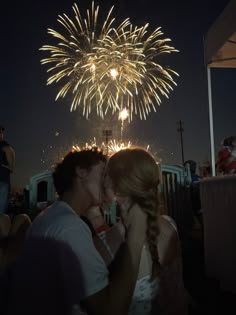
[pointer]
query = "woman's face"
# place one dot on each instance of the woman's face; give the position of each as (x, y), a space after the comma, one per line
(111, 195)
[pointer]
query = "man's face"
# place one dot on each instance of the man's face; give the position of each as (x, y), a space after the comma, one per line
(93, 183)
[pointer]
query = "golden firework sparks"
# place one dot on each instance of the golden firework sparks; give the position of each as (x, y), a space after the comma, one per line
(123, 115)
(108, 67)
(116, 145)
(87, 146)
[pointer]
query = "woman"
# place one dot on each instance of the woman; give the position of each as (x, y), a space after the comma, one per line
(132, 179)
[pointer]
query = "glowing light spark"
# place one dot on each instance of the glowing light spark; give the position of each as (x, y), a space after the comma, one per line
(93, 67)
(104, 67)
(114, 73)
(123, 114)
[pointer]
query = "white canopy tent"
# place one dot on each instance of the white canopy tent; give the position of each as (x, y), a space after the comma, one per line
(220, 52)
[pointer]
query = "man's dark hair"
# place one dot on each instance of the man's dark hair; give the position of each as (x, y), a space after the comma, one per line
(65, 171)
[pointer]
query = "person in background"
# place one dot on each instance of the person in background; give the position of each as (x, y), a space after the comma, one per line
(195, 189)
(193, 166)
(226, 158)
(7, 163)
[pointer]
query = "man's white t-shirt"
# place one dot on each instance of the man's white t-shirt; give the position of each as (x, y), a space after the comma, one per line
(59, 245)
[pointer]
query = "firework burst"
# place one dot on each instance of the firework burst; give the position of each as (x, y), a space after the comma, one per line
(87, 146)
(108, 67)
(110, 148)
(116, 145)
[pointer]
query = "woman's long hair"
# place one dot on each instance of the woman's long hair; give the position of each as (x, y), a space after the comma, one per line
(135, 173)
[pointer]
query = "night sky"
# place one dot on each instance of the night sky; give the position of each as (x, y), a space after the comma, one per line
(34, 121)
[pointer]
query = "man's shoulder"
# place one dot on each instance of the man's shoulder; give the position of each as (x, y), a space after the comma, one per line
(64, 214)
(59, 221)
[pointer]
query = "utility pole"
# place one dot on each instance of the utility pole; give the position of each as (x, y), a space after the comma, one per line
(181, 130)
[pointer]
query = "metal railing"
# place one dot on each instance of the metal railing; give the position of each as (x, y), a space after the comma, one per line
(175, 192)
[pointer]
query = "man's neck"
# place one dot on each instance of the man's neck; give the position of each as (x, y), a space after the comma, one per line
(76, 201)
(72, 201)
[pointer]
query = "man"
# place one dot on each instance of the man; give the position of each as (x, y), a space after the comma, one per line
(7, 162)
(59, 270)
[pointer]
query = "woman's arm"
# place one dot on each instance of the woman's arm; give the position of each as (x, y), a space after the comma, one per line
(173, 297)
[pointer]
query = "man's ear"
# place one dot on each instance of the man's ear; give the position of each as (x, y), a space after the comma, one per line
(81, 172)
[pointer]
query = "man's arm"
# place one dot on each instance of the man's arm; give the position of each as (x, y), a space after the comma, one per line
(116, 297)
(10, 156)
